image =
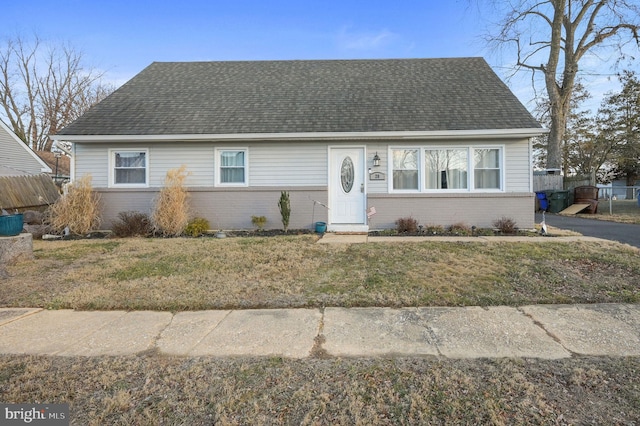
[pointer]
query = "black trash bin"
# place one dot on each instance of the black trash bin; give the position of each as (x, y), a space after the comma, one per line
(558, 201)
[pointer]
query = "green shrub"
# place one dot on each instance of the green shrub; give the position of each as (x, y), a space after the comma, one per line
(284, 204)
(196, 227)
(407, 225)
(461, 229)
(433, 230)
(505, 225)
(484, 232)
(258, 221)
(132, 224)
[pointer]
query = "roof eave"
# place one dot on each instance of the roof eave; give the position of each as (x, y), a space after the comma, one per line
(316, 136)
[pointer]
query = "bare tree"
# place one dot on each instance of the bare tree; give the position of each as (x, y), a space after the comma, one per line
(620, 117)
(552, 37)
(43, 88)
(584, 149)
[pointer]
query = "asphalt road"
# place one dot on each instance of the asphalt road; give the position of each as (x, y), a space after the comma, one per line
(622, 232)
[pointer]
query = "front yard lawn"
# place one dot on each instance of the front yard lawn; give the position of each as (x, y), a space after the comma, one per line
(292, 271)
(206, 273)
(156, 390)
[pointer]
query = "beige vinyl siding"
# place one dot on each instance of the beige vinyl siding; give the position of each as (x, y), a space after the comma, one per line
(517, 166)
(301, 168)
(16, 156)
(288, 164)
(198, 157)
(269, 164)
(93, 160)
(377, 186)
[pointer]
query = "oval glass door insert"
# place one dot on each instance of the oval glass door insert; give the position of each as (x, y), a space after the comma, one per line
(347, 174)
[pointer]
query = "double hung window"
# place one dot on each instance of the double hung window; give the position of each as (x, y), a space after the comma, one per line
(486, 168)
(405, 169)
(232, 167)
(129, 168)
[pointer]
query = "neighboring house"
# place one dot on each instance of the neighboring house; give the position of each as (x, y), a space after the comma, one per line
(441, 140)
(16, 158)
(59, 163)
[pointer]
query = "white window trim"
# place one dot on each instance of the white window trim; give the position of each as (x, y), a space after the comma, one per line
(217, 163)
(447, 190)
(501, 167)
(112, 165)
(420, 169)
(470, 169)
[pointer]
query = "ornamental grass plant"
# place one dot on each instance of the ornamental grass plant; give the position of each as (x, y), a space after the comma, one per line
(171, 210)
(78, 210)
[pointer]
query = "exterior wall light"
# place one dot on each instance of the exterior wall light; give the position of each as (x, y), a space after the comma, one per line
(376, 160)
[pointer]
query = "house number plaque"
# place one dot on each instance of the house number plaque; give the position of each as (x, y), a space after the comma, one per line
(377, 176)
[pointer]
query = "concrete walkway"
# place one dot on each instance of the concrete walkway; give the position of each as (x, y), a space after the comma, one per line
(539, 331)
(333, 238)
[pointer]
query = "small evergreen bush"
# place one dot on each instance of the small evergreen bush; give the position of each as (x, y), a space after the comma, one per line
(197, 226)
(259, 221)
(284, 204)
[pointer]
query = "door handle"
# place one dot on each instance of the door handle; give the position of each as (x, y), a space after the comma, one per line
(362, 188)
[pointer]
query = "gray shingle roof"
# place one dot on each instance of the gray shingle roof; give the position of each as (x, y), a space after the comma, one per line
(307, 96)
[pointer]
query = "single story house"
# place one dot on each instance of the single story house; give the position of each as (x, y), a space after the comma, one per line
(17, 158)
(441, 140)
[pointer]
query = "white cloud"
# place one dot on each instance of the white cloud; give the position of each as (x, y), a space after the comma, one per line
(349, 40)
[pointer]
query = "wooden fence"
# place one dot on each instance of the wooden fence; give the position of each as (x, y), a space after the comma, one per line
(575, 181)
(559, 182)
(27, 192)
(546, 182)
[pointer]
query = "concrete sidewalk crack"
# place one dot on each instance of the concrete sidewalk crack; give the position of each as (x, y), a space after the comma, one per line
(86, 336)
(546, 331)
(317, 351)
(211, 330)
(153, 347)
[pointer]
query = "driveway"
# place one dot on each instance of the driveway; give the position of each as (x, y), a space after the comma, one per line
(627, 233)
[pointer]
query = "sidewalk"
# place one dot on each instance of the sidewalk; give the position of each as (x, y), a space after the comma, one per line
(333, 238)
(538, 331)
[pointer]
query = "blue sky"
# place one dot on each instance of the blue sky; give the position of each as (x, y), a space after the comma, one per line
(123, 37)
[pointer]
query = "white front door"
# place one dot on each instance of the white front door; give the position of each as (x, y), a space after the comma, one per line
(347, 192)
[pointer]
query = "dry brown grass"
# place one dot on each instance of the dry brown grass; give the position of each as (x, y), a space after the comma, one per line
(171, 212)
(623, 211)
(204, 391)
(292, 271)
(78, 209)
(186, 273)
